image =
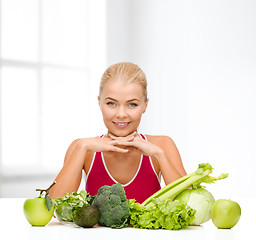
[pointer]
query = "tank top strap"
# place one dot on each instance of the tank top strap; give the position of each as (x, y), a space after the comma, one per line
(143, 136)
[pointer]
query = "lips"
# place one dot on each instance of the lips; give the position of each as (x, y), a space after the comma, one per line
(121, 124)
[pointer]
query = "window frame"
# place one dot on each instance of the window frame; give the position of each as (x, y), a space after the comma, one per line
(91, 70)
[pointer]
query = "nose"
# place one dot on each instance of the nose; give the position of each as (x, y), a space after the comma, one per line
(121, 112)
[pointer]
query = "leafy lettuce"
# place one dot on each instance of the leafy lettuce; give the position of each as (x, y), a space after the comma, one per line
(167, 214)
(66, 206)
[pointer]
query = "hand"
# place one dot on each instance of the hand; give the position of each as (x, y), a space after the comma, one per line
(103, 144)
(146, 148)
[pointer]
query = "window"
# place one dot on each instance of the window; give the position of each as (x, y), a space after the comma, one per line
(51, 55)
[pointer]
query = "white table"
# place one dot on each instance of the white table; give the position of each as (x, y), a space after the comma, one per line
(13, 225)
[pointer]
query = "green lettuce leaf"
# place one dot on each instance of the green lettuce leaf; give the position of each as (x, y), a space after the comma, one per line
(66, 206)
(167, 214)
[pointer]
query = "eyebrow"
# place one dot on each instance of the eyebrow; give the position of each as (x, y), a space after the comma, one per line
(131, 100)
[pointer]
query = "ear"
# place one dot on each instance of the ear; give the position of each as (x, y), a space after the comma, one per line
(99, 100)
(146, 105)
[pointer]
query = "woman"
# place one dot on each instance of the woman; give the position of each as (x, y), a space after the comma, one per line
(122, 155)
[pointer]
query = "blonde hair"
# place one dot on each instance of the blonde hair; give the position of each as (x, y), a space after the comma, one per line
(131, 72)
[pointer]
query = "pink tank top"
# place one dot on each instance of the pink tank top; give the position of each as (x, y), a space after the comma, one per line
(143, 184)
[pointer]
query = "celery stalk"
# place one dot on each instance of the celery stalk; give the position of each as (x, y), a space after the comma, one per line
(167, 188)
(191, 180)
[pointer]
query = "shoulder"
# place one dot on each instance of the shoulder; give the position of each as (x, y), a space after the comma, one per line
(170, 149)
(160, 139)
(75, 142)
(73, 145)
(71, 148)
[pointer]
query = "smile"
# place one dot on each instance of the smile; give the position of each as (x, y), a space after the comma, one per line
(121, 124)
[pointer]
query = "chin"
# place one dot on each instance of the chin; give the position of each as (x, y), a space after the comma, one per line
(121, 133)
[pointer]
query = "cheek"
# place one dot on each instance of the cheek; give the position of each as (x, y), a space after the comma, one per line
(107, 113)
(137, 114)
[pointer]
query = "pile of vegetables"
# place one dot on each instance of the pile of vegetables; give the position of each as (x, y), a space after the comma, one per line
(182, 203)
(110, 203)
(155, 211)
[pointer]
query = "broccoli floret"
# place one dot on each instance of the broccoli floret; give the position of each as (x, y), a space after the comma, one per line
(115, 200)
(103, 189)
(113, 206)
(117, 189)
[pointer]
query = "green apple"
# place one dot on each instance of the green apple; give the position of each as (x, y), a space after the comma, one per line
(225, 213)
(36, 211)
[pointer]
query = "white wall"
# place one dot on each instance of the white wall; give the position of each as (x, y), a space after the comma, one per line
(200, 60)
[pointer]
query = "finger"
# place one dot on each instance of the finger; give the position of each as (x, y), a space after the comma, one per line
(134, 134)
(114, 137)
(124, 143)
(115, 142)
(137, 136)
(121, 150)
(119, 142)
(117, 149)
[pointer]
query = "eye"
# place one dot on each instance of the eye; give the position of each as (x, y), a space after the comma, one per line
(133, 104)
(111, 104)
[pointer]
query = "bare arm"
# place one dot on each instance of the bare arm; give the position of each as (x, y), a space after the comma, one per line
(169, 160)
(69, 178)
(173, 154)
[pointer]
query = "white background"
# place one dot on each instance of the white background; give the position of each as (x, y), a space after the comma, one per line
(200, 61)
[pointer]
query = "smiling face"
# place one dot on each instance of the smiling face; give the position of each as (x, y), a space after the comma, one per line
(122, 105)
